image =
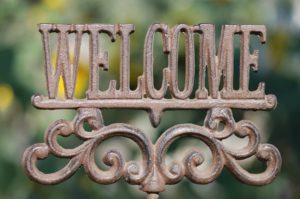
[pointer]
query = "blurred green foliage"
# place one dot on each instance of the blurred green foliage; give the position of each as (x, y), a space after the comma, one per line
(22, 75)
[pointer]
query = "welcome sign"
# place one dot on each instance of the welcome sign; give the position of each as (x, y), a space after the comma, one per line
(216, 94)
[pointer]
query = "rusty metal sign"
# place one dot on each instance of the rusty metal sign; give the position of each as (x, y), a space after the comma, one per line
(154, 173)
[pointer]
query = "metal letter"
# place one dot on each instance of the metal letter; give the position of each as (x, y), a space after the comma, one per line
(148, 61)
(189, 61)
(124, 30)
(98, 59)
(63, 65)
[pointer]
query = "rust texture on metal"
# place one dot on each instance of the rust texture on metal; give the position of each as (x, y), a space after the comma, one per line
(154, 173)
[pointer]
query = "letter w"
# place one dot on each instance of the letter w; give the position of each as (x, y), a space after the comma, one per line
(63, 67)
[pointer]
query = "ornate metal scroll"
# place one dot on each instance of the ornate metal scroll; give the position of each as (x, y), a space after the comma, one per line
(153, 173)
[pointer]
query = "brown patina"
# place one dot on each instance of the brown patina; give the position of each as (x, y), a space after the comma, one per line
(153, 174)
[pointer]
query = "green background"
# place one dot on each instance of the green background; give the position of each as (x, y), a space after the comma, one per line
(22, 75)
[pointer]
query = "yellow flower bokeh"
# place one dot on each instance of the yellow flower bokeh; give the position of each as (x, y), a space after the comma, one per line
(81, 83)
(6, 96)
(55, 4)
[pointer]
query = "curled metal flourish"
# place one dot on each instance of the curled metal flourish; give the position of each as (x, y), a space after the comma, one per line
(153, 173)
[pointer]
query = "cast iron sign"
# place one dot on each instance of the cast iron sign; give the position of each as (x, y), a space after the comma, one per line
(154, 173)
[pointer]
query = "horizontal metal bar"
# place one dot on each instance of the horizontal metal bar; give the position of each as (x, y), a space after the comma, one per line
(268, 103)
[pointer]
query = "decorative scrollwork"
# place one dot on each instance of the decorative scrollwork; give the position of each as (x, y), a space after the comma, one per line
(153, 173)
(84, 154)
